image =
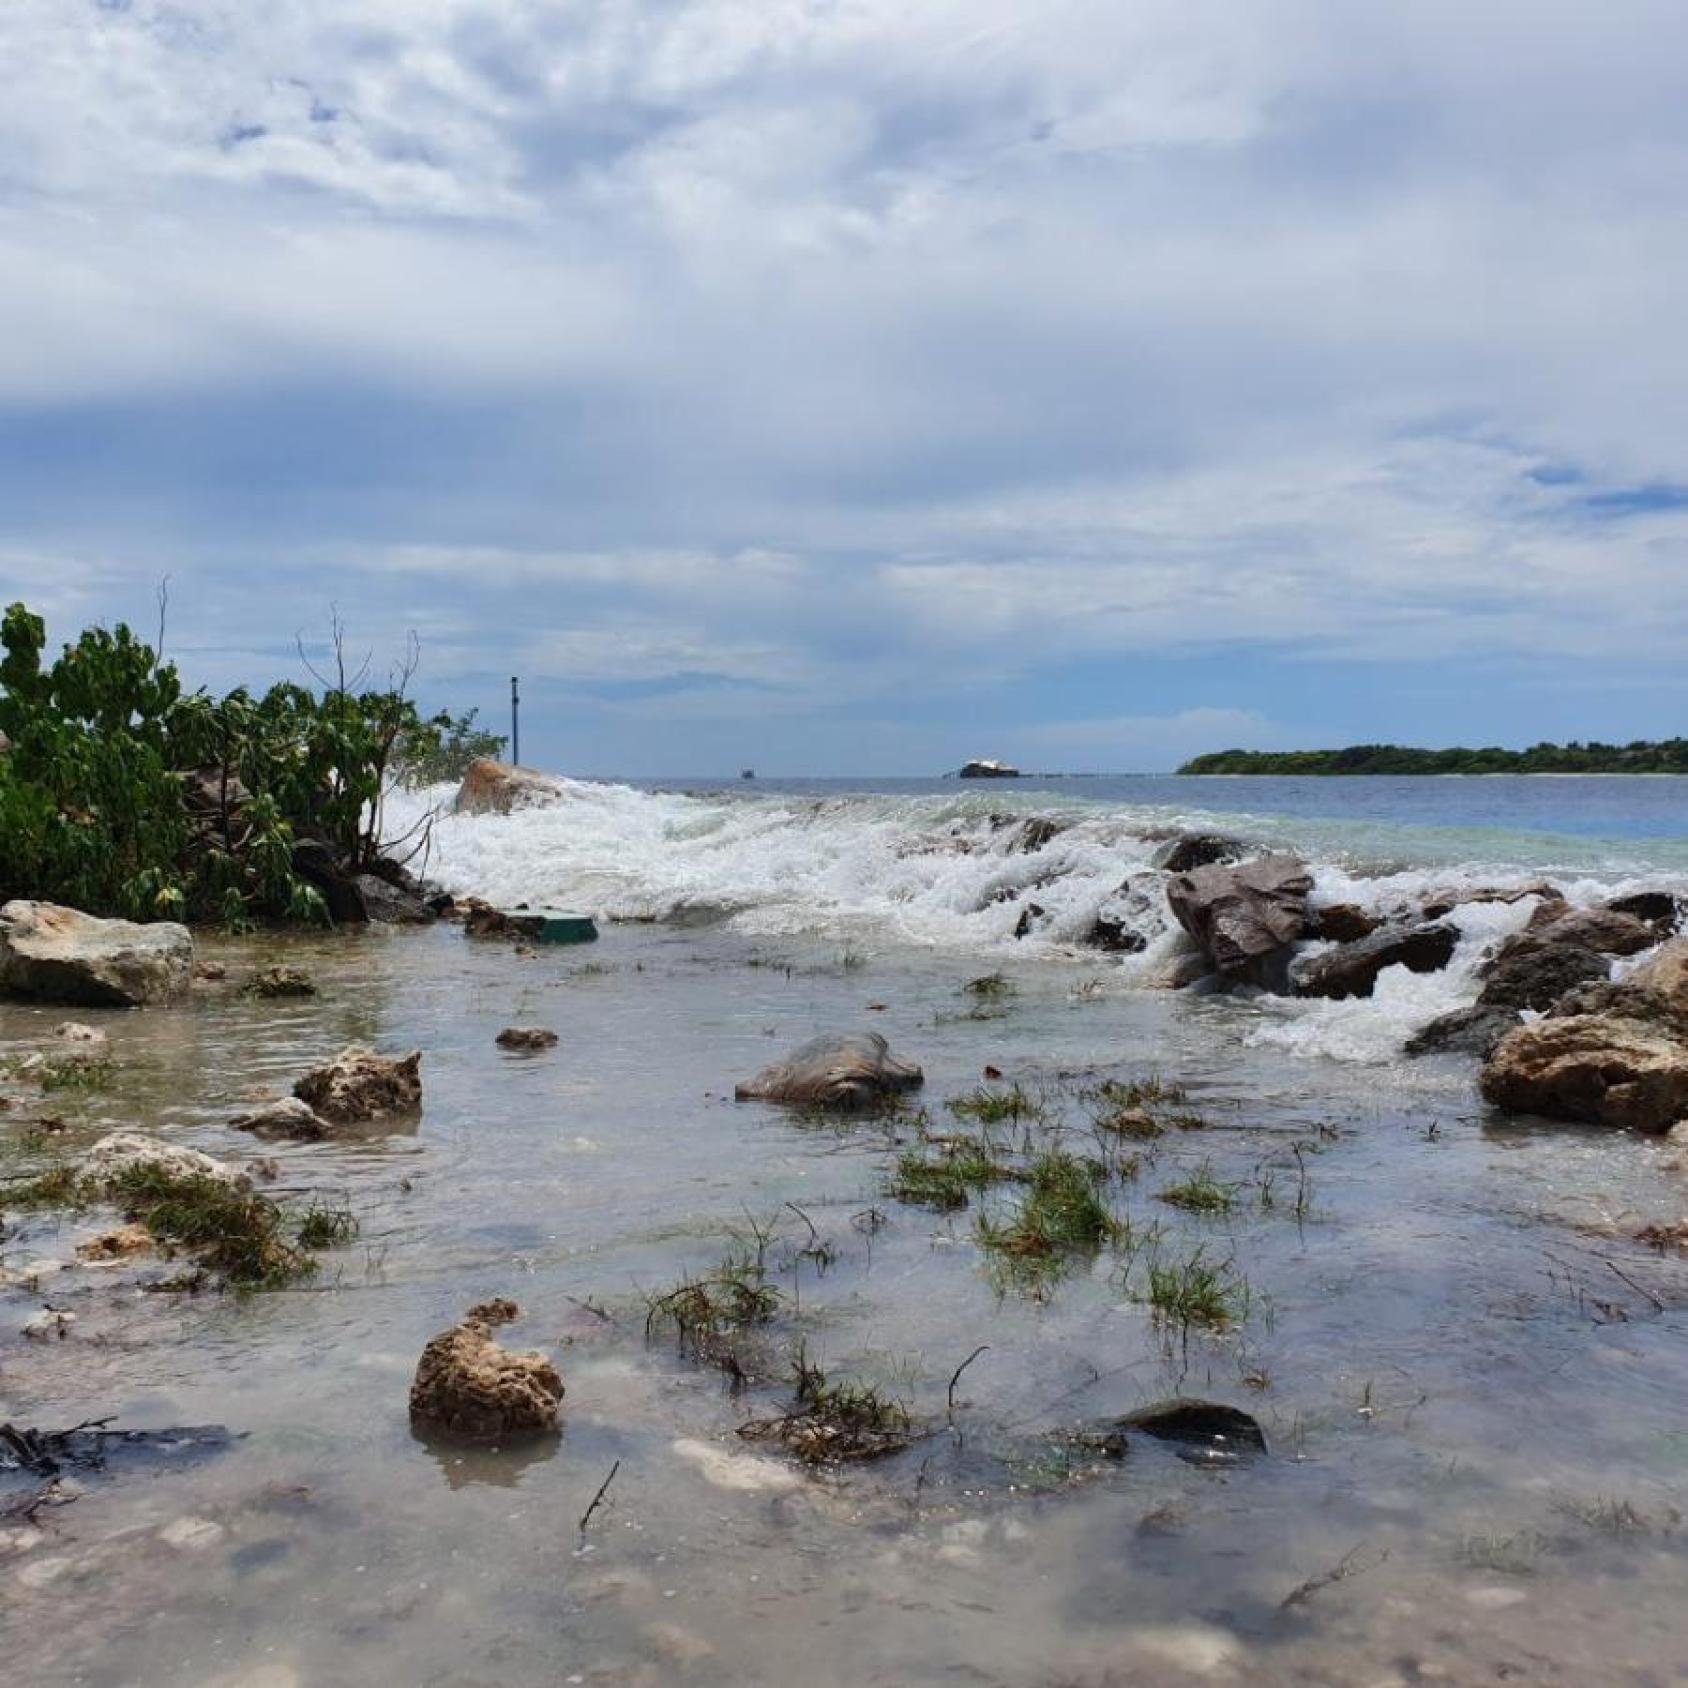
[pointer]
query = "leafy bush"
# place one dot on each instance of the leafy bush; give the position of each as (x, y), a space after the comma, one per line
(446, 755)
(122, 794)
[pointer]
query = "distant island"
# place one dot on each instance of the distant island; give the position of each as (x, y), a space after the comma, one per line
(1667, 756)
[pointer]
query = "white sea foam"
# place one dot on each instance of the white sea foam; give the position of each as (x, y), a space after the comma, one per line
(953, 872)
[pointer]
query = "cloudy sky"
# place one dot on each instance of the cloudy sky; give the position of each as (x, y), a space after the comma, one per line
(849, 386)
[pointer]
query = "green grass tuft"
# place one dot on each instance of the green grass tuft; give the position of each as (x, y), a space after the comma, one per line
(1201, 1193)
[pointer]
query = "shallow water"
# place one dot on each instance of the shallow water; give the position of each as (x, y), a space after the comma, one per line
(1471, 1380)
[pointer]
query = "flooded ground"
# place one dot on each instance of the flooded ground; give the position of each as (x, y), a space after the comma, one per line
(1470, 1376)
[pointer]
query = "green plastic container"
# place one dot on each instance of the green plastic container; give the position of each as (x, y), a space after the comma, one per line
(553, 925)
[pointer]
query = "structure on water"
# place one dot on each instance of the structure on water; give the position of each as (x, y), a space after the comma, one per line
(987, 768)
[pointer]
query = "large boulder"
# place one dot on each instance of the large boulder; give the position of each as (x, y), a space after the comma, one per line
(1591, 1068)
(1352, 969)
(358, 1086)
(495, 788)
(1531, 971)
(59, 954)
(469, 1387)
(855, 1071)
(1605, 930)
(1245, 917)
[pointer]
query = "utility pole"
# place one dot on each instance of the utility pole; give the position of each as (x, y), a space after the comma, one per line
(515, 721)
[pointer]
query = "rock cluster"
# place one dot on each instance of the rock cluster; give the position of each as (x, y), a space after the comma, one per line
(1613, 1054)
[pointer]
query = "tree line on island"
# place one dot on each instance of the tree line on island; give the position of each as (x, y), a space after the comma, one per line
(124, 793)
(1663, 756)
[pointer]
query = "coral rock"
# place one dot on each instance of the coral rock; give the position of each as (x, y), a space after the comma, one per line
(468, 1386)
(359, 1085)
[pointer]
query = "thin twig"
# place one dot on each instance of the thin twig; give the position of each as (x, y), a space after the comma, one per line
(1640, 1289)
(1339, 1572)
(955, 1377)
(597, 1499)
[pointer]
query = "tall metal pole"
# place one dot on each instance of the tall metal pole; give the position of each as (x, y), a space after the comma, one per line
(515, 721)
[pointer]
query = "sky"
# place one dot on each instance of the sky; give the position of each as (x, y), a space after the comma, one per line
(849, 386)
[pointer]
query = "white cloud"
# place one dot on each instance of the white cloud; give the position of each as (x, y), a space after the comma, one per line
(852, 350)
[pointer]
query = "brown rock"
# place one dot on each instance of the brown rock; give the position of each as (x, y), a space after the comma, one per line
(1352, 969)
(288, 1119)
(526, 1037)
(1344, 923)
(359, 1085)
(1245, 917)
(122, 1244)
(1593, 1069)
(496, 788)
(1530, 971)
(1600, 929)
(1660, 909)
(835, 1072)
(469, 1387)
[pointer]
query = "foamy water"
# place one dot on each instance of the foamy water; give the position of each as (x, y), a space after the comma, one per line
(961, 872)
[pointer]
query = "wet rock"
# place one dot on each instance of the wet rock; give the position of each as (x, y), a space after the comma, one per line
(108, 1247)
(74, 1038)
(1436, 904)
(358, 1086)
(1655, 993)
(482, 920)
(49, 1325)
(496, 788)
(1115, 936)
(1665, 976)
(1352, 969)
(123, 1151)
(387, 904)
(1030, 915)
(1343, 923)
(1035, 835)
(844, 1072)
(1128, 918)
(526, 1037)
(1466, 1031)
(326, 868)
(1600, 929)
(1206, 1432)
(210, 972)
(1534, 972)
(469, 1387)
(1245, 917)
(285, 1120)
(1184, 970)
(278, 982)
(1198, 849)
(58, 954)
(1593, 1069)
(1661, 910)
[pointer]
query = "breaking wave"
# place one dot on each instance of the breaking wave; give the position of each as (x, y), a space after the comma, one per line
(1001, 874)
